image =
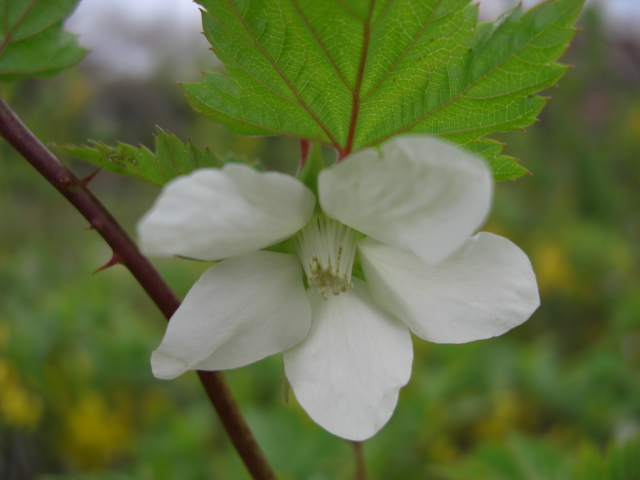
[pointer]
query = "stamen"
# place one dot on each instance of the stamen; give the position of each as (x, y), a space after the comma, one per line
(327, 249)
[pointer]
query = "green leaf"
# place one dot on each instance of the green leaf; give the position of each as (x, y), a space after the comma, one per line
(621, 462)
(517, 459)
(32, 40)
(172, 158)
(624, 461)
(355, 73)
(588, 464)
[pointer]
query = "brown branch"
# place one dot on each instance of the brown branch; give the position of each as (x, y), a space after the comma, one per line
(77, 193)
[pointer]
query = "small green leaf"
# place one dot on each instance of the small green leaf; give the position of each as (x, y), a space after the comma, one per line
(172, 158)
(504, 167)
(353, 74)
(32, 40)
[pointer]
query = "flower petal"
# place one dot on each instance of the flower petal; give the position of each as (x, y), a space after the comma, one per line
(422, 195)
(348, 371)
(483, 290)
(213, 214)
(241, 310)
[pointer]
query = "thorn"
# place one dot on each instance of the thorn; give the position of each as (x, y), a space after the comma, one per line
(95, 224)
(115, 259)
(536, 119)
(523, 130)
(90, 177)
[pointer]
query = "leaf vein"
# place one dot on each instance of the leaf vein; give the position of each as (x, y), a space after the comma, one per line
(402, 55)
(321, 43)
(281, 74)
(468, 87)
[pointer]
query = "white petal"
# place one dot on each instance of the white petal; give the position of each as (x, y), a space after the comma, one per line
(348, 371)
(240, 311)
(483, 290)
(213, 214)
(422, 195)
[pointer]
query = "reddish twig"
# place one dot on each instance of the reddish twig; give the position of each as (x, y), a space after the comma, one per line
(127, 253)
(305, 145)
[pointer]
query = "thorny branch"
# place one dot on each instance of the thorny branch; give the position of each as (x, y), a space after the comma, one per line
(125, 251)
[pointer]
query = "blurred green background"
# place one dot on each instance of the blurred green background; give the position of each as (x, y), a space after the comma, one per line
(557, 398)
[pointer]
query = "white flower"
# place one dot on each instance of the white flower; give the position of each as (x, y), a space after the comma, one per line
(346, 342)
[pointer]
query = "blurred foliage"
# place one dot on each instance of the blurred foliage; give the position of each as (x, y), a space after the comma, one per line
(557, 398)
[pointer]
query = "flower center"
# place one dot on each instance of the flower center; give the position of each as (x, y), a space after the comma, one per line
(327, 248)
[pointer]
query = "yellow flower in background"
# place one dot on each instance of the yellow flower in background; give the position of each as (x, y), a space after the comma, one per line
(19, 407)
(95, 434)
(634, 121)
(553, 268)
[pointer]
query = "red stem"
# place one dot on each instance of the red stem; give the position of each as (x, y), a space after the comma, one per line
(305, 145)
(77, 193)
(361, 473)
